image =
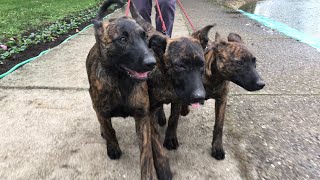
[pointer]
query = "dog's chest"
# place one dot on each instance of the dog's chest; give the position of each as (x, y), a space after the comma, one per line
(162, 95)
(127, 101)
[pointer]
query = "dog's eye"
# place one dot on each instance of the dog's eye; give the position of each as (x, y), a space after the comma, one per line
(144, 35)
(123, 39)
(240, 63)
(179, 68)
(254, 60)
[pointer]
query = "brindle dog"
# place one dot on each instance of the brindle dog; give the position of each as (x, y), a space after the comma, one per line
(180, 65)
(118, 66)
(177, 78)
(225, 62)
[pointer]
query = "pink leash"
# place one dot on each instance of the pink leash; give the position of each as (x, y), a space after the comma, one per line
(164, 28)
(184, 12)
(128, 7)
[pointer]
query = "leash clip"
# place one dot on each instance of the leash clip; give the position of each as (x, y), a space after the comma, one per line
(165, 33)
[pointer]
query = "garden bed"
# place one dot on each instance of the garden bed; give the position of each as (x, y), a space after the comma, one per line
(32, 42)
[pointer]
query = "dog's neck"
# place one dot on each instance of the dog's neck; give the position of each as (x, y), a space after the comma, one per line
(161, 85)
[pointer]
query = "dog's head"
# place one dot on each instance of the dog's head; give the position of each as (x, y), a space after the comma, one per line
(182, 61)
(124, 44)
(236, 63)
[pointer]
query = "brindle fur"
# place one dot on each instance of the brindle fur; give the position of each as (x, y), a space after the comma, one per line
(177, 58)
(225, 62)
(120, 44)
(177, 78)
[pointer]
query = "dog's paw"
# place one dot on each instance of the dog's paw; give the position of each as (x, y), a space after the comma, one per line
(161, 118)
(165, 175)
(162, 121)
(171, 143)
(218, 153)
(163, 169)
(114, 152)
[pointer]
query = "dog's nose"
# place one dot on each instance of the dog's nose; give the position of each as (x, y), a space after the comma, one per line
(260, 84)
(198, 96)
(149, 62)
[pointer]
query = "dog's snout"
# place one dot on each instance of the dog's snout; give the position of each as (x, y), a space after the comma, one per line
(260, 84)
(198, 96)
(149, 62)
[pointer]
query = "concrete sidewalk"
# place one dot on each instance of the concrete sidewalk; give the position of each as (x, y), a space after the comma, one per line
(49, 129)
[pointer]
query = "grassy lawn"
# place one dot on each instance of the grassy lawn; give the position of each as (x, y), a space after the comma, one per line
(17, 16)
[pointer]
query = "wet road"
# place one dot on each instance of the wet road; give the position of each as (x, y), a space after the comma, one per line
(302, 15)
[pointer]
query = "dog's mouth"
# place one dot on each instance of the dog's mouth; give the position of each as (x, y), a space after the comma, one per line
(196, 104)
(137, 75)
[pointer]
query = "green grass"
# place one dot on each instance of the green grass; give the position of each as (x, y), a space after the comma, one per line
(18, 16)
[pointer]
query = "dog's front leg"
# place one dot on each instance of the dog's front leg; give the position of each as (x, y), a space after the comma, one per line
(220, 107)
(161, 116)
(143, 130)
(184, 110)
(109, 134)
(171, 140)
(161, 160)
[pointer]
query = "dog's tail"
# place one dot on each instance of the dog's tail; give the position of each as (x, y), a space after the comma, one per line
(103, 9)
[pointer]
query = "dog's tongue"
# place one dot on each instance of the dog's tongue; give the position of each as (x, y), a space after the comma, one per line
(195, 105)
(141, 75)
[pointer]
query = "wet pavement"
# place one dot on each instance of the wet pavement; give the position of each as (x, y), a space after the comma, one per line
(302, 15)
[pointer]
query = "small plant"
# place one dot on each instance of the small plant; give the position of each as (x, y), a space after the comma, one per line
(19, 43)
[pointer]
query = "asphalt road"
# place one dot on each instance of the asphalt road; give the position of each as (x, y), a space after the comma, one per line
(49, 129)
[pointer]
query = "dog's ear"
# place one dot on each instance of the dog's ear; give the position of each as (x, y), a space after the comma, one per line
(217, 37)
(233, 37)
(139, 19)
(158, 44)
(208, 66)
(219, 41)
(202, 35)
(99, 28)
